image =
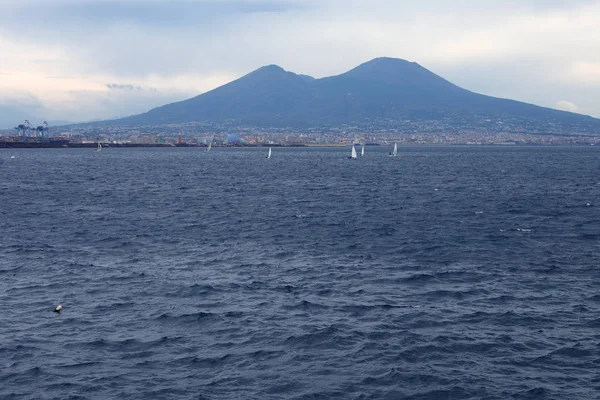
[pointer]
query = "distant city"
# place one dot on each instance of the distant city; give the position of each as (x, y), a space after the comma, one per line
(482, 132)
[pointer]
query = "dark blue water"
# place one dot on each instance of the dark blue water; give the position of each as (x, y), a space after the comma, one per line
(443, 273)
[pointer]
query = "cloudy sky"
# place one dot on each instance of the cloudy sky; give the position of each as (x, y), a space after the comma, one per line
(81, 60)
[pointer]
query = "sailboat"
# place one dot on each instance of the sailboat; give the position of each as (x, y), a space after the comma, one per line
(394, 153)
(353, 154)
(99, 147)
(269, 154)
(362, 150)
(209, 147)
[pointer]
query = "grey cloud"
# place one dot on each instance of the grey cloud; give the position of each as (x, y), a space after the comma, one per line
(87, 105)
(119, 86)
(146, 13)
(21, 100)
(133, 37)
(130, 40)
(83, 105)
(17, 107)
(12, 116)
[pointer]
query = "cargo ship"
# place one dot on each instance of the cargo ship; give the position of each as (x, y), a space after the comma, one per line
(33, 142)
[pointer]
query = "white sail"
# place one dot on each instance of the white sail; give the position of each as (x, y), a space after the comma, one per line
(395, 151)
(209, 147)
(353, 155)
(99, 147)
(269, 154)
(362, 151)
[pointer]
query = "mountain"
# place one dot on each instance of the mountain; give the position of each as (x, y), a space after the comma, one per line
(376, 92)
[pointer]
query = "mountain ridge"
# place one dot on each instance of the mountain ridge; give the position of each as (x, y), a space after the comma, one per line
(375, 92)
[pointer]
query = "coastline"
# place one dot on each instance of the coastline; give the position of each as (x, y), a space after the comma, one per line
(25, 145)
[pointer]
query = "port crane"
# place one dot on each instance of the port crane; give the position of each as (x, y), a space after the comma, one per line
(27, 131)
(40, 130)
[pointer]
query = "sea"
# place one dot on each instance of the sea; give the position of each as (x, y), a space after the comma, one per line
(445, 273)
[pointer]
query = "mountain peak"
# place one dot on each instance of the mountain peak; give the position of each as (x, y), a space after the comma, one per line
(271, 67)
(396, 71)
(388, 62)
(269, 72)
(275, 71)
(381, 60)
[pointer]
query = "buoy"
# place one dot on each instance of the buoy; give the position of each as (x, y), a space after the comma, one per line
(58, 308)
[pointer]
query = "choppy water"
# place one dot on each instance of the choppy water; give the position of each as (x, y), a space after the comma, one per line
(443, 273)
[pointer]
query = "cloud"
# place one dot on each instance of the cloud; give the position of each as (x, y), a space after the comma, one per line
(172, 14)
(567, 106)
(538, 51)
(585, 73)
(101, 104)
(128, 86)
(17, 107)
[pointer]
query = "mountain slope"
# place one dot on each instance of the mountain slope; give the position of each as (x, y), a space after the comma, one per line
(267, 94)
(377, 91)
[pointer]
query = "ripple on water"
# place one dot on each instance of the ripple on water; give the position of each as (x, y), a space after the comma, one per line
(447, 273)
